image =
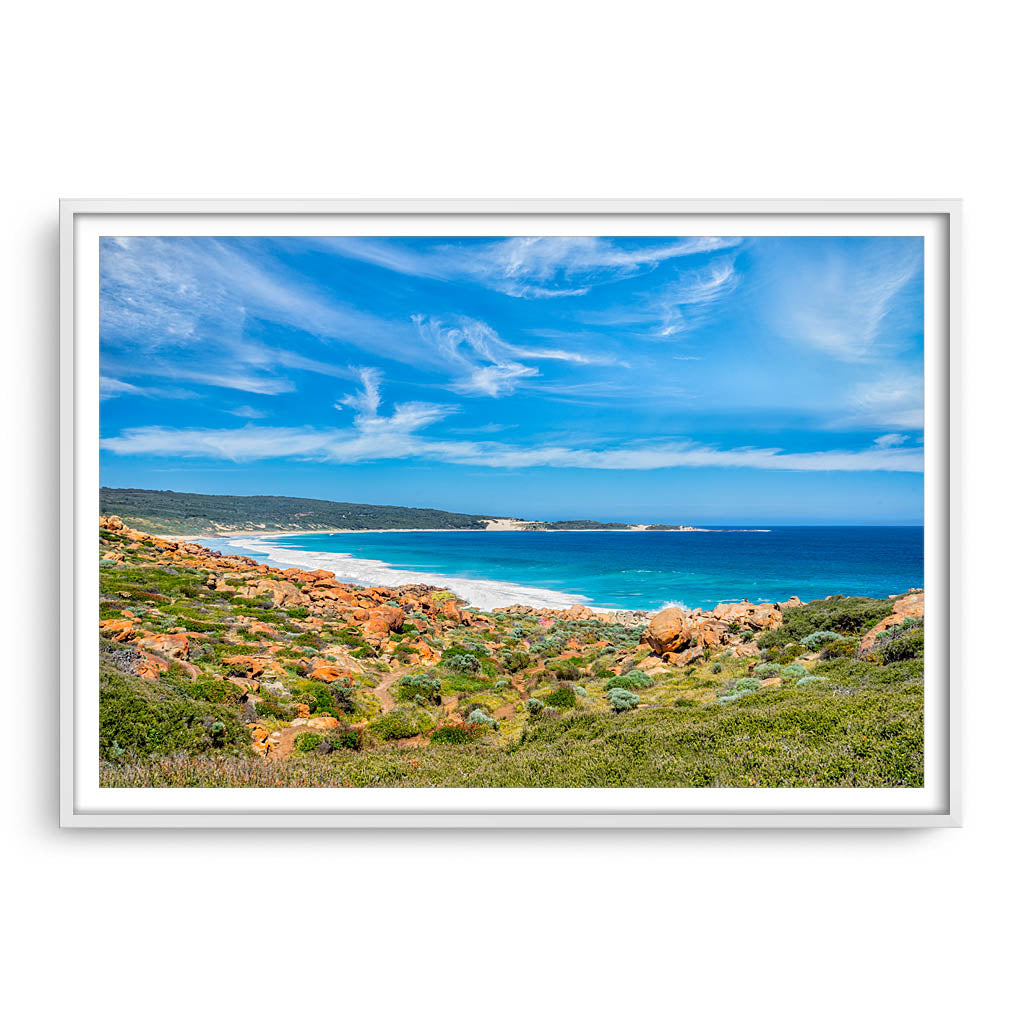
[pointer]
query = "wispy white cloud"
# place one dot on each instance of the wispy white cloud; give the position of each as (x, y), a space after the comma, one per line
(891, 440)
(231, 378)
(374, 436)
(837, 299)
(172, 300)
(894, 399)
(682, 305)
(247, 412)
(544, 267)
(481, 362)
(685, 304)
(366, 402)
(394, 438)
(478, 359)
(530, 267)
(112, 387)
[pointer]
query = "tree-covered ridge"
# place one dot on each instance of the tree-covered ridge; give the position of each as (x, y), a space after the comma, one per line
(177, 512)
(180, 513)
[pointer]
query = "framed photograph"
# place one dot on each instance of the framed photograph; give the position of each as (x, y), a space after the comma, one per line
(509, 514)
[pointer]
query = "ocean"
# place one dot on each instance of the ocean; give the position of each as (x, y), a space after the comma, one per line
(639, 570)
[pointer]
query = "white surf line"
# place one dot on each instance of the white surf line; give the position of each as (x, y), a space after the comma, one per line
(484, 594)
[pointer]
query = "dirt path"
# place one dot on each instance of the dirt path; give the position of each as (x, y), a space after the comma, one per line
(412, 742)
(285, 742)
(383, 690)
(285, 737)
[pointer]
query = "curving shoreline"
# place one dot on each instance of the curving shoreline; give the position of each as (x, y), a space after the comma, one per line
(485, 594)
(604, 570)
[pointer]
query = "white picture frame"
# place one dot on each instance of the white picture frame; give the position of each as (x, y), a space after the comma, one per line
(84, 805)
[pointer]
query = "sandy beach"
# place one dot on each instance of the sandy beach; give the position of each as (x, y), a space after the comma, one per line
(493, 526)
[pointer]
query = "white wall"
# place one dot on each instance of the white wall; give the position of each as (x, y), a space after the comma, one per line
(527, 99)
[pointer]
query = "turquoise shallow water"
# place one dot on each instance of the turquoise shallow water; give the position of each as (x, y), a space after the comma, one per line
(636, 570)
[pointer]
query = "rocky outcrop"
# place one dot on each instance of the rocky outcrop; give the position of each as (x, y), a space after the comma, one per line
(579, 613)
(325, 671)
(250, 667)
(680, 658)
(668, 631)
(909, 607)
(384, 620)
(281, 593)
(681, 636)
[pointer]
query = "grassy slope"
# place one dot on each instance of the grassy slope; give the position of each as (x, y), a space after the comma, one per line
(824, 734)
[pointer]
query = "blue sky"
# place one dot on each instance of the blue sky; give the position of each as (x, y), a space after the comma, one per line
(679, 380)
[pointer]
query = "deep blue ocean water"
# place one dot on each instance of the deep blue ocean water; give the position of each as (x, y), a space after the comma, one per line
(636, 570)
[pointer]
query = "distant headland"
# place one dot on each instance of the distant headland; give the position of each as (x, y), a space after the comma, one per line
(180, 514)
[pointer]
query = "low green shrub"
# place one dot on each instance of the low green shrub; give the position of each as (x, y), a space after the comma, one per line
(563, 697)
(566, 671)
(420, 688)
(452, 734)
(307, 741)
(746, 684)
(635, 680)
(345, 739)
(319, 699)
(479, 717)
(467, 664)
(271, 707)
(793, 671)
(847, 615)
(845, 647)
(155, 719)
(401, 723)
(622, 700)
(900, 643)
(515, 660)
(772, 668)
(215, 691)
(534, 706)
(343, 694)
(816, 640)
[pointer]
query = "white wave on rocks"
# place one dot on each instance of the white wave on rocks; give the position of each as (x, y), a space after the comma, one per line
(483, 594)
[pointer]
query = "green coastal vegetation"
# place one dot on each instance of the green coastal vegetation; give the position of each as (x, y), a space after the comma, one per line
(219, 672)
(178, 513)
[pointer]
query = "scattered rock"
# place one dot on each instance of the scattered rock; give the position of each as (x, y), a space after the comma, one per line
(173, 645)
(668, 631)
(911, 606)
(680, 658)
(384, 620)
(280, 593)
